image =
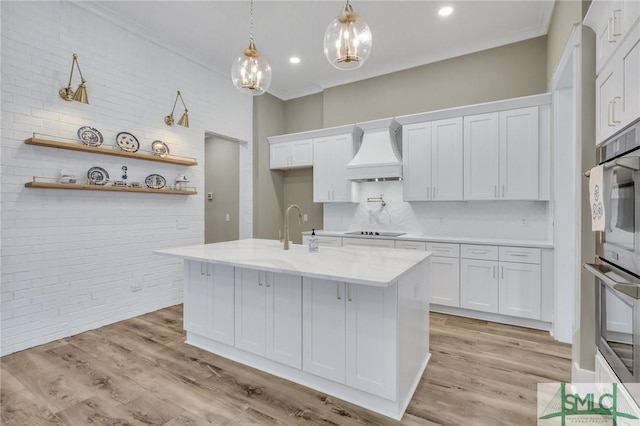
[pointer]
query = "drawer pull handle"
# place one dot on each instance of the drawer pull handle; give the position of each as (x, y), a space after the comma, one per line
(519, 254)
(479, 251)
(349, 292)
(338, 291)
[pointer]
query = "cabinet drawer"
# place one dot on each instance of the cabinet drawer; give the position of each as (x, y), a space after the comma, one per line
(519, 254)
(324, 241)
(368, 242)
(411, 245)
(472, 251)
(444, 249)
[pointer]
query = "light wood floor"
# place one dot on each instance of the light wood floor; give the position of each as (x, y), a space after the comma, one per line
(140, 372)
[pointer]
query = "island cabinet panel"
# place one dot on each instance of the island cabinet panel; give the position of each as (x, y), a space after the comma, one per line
(250, 311)
(268, 315)
(324, 328)
(208, 299)
(284, 319)
(350, 334)
(371, 339)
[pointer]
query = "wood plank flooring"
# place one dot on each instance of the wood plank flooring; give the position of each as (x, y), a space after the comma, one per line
(140, 372)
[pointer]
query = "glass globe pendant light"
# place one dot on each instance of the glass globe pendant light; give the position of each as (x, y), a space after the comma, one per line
(347, 41)
(251, 72)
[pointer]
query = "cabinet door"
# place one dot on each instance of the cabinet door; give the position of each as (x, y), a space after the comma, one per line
(371, 339)
(479, 285)
(446, 163)
(343, 152)
(368, 242)
(250, 311)
(279, 155)
(416, 162)
(519, 290)
(519, 154)
(301, 153)
(322, 170)
(208, 298)
(630, 69)
(481, 157)
(609, 32)
(608, 100)
(323, 324)
(445, 281)
(284, 319)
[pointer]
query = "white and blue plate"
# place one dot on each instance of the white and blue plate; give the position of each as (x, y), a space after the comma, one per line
(90, 136)
(127, 142)
(155, 181)
(97, 176)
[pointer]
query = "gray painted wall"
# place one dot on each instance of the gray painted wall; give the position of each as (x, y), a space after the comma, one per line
(221, 174)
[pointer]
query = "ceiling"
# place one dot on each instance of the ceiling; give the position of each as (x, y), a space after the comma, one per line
(405, 33)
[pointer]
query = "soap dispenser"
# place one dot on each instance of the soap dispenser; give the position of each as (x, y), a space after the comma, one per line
(313, 242)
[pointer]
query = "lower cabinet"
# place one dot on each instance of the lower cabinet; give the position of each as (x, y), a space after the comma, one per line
(208, 300)
(479, 285)
(501, 285)
(350, 334)
(268, 316)
(444, 281)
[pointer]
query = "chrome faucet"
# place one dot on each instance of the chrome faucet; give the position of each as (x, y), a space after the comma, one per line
(286, 223)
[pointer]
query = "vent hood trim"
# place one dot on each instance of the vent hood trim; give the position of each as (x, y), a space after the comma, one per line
(379, 156)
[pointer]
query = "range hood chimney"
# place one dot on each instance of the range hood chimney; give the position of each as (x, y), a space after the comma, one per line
(379, 155)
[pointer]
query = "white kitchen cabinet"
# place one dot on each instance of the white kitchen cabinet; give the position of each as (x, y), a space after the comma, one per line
(481, 156)
(501, 155)
(618, 64)
(479, 285)
(432, 160)
(331, 154)
(445, 281)
(291, 154)
(324, 328)
(268, 316)
(519, 154)
(350, 334)
(519, 290)
(608, 102)
(368, 242)
(411, 245)
(208, 299)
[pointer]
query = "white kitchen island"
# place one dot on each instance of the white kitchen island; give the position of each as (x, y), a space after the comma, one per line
(352, 322)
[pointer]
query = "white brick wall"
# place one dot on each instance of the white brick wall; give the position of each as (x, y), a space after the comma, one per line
(70, 258)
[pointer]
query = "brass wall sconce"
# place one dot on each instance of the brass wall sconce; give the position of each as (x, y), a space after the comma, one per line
(184, 120)
(80, 95)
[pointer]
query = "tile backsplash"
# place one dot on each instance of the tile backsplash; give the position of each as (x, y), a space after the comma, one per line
(531, 220)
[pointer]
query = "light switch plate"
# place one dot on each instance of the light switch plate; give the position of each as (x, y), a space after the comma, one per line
(181, 224)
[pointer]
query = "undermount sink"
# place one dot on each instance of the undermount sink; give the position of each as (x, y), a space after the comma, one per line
(375, 233)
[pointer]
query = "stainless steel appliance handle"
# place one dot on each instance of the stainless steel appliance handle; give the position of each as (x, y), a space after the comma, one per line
(630, 289)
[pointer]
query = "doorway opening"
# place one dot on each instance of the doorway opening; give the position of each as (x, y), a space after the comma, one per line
(222, 189)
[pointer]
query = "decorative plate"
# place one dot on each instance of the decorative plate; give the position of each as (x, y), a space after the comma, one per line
(90, 136)
(127, 142)
(155, 181)
(160, 148)
(98, 176)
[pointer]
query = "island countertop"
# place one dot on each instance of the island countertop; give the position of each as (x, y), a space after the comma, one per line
(374, 266)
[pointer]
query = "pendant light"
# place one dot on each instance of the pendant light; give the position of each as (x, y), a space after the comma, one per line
(347, 41)
(251, 72)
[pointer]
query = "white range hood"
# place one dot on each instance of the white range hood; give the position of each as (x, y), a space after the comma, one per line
(379, 156)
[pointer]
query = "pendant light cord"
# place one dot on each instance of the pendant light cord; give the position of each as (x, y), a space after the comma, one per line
(251, 23)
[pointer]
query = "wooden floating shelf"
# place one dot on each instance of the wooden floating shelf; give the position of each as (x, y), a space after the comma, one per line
(107, 151)
(46, 185)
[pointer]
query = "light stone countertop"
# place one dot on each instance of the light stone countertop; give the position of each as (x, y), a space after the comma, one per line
(443, 239)
(380, 267)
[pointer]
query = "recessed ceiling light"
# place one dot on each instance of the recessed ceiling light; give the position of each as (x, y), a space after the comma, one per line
(294, 60)
(445, 11)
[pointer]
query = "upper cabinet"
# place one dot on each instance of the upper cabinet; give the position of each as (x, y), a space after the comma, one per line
(290, 152)
(617, 64)
(432, 160)
(501, 155)
(493, 151)
(331, 154)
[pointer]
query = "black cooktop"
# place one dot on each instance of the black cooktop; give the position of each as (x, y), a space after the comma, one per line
(375, 233)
